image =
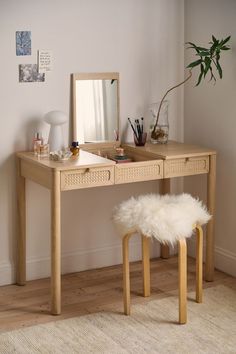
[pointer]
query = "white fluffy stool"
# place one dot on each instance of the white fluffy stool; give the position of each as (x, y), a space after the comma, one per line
(170, 219)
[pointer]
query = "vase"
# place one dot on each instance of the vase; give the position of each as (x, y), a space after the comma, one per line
(159, 130)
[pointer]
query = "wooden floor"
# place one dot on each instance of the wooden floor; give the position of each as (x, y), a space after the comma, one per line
(92, 291)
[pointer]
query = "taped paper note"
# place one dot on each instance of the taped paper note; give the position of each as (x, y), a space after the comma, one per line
(44, 61)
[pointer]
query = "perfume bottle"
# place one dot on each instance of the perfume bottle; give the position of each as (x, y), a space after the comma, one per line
(75, 148)
(43, 150)
(37, 141)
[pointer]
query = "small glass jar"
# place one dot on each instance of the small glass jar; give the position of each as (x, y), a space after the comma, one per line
(159, 130)
(75, 148)
(140, 140)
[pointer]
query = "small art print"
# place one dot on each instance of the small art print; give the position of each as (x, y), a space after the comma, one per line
(23, 43)
(29, 73)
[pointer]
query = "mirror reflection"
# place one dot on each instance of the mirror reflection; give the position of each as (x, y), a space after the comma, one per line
(96, 110)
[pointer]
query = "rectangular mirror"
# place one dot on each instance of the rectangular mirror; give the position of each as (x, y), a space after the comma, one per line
(95, 107)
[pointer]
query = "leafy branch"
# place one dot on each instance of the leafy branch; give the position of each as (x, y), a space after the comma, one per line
(208, 61)
(209, 58)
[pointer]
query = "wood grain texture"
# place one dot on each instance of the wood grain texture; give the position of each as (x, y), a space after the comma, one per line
(182, 281)
(56, 244)
(98, 148)
(126, 274)
(93, 291)
(85, 160)
(199, 263)
(165, 189)
(210, 241)
(146, 265)
(172, 150)
(37, 173)
(49, 176)
(21, 230)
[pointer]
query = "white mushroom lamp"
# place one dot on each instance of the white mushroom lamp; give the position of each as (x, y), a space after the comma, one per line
(56, 119)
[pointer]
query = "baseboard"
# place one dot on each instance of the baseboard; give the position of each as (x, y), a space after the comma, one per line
(224, 259)
(103, 257)
(7, 274)
(76, 261)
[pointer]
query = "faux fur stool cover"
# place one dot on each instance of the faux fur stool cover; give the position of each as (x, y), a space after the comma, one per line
(168, 218)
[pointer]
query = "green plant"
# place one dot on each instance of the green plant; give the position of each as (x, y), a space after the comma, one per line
(208, 62)
(209, 58)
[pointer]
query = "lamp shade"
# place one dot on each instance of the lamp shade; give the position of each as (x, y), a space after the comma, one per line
(56, 119)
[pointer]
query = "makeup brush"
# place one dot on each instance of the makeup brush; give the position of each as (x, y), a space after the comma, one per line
(133, 128)
(142, 125)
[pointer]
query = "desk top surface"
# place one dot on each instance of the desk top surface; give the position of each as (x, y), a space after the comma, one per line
(172, 150)
(85, 160)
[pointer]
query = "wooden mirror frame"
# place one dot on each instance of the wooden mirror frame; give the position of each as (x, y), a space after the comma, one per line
(95, 76)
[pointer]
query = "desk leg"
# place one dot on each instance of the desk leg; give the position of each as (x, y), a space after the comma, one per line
(210, 244)
(165, 189)
(21, 232)
(56, 244)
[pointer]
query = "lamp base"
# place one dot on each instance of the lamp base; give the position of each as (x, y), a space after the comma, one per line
(55, 139)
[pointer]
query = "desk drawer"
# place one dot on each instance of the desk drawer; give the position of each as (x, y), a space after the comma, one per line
(138, 171)
(87, 177)
(186, 166)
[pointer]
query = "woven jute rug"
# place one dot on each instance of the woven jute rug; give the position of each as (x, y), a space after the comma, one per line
(152, 328)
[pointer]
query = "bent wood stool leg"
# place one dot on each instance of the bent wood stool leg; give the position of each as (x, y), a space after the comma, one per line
(126, 275)
(56, 244)
(199, 261)
(165, 189)
(182, 260)
(21, 234)
(146, 265)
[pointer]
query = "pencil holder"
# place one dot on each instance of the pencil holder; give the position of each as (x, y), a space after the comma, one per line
(140, 140)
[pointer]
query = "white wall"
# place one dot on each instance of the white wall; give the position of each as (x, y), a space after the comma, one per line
(210, 118)
(143, 41)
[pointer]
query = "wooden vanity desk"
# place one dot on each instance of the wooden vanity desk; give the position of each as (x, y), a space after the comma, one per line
(151, 162)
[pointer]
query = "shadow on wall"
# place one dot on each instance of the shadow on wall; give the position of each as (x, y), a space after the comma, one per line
(8, 208)
(8, 201)
(35, 124)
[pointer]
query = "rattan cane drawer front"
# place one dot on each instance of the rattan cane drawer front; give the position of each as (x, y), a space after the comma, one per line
(186, 166)
(138, 171)
(86, 178)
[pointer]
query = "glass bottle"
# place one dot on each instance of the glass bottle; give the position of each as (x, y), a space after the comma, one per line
(75, 148)
(37, 141)
(159, 130)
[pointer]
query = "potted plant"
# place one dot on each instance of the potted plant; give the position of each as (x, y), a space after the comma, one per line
(208, 62)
